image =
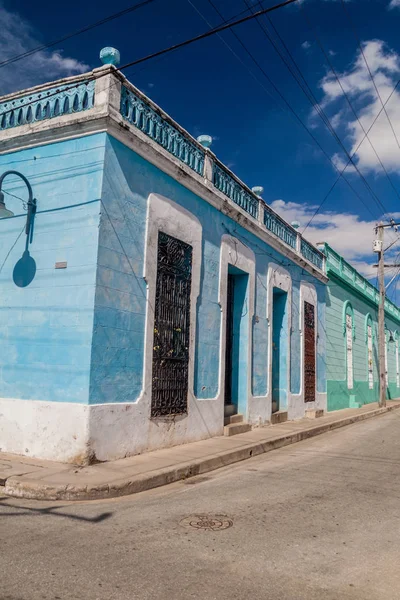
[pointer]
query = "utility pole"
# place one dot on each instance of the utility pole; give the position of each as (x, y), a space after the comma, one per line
(381, 315)
(380, 250)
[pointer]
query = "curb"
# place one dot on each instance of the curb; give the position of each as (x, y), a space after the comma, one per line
(23, 487)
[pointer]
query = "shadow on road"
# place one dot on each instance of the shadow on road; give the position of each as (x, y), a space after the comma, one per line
(48, 510)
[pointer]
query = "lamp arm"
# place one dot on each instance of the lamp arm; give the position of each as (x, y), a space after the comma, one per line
(24, 179)
(31, 202)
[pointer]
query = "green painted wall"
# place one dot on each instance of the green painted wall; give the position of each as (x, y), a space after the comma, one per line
(339, 396)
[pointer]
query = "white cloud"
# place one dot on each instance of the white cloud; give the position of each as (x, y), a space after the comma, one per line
(384, 64)
(306, 45)
(394, 4)
(346, 233)
(342, 162)
(17, 36)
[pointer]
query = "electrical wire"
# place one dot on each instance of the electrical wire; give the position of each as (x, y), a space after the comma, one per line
(207, 34)
(14, 196)
(304, 86)
(83, 30)
(12, 248)
(227, 45)
(350, 104)
(164, 51)
(216, 30)
(202, 36)
(353, 28)
(327, 122)
(347, 164)
(74, 33)
(292, 111)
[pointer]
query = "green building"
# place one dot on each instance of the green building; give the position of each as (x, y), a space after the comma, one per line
(352, 337)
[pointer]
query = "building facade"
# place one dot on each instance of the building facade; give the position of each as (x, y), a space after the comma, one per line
(165, 295)
(352, 367)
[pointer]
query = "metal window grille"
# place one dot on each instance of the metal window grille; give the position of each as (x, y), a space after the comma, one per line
(309, 352)
(171, 327)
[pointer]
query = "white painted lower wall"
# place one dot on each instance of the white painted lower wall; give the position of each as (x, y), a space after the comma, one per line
(48, 430)
(119, 430)
(78, 433)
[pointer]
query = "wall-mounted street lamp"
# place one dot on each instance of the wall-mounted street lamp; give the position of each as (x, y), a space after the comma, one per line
(31, 204)
(25, 269)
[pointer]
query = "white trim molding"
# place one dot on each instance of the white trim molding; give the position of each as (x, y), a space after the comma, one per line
(278, 277)
(133, 431)
(235, 253)
(261, 406)
(298, 407)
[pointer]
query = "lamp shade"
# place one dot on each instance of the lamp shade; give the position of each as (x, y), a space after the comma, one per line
(4, 212)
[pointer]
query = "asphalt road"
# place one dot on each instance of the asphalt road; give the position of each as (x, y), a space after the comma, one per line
(317, 520)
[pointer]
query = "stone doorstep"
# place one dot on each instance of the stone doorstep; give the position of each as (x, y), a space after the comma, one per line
(236, 418)
(140, 473)
(278, 417)
(314, 414)
(236, 429)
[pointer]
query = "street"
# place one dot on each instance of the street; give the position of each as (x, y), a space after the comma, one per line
(319, 519)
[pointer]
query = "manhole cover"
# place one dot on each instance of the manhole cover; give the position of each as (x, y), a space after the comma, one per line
(208, 522)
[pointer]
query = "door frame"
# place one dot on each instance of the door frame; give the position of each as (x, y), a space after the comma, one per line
(235, 253)
(167, 216)
(308, 294)
(278, 277)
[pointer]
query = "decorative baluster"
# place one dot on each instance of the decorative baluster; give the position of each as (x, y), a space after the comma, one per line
(52, 103)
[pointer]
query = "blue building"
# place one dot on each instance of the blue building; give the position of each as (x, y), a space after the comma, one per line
(156, 298)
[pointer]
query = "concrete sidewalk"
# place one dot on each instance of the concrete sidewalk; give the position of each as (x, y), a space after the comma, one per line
(44, 480)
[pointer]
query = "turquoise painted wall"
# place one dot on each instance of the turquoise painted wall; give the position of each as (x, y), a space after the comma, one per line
(77, 334)
(339, 396)
(280, 348)
(240, 339)
(46, 328)
(117, 351)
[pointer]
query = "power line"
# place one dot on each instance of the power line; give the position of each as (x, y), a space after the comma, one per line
(290, 108)
(206, 34)
(226, 43)
(74, 33)
(12, 248)
(353, 28)
(216, 30)
(315, 104)
(348, 162)
(84, 29)
(223, 22)
(318, 40)
(14, 196)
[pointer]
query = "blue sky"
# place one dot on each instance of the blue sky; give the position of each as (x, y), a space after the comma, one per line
(215, 89)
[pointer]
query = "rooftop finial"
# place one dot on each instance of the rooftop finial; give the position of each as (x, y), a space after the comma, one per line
(258, 190)
(205, 140)
(295, 224)
(110, 56)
